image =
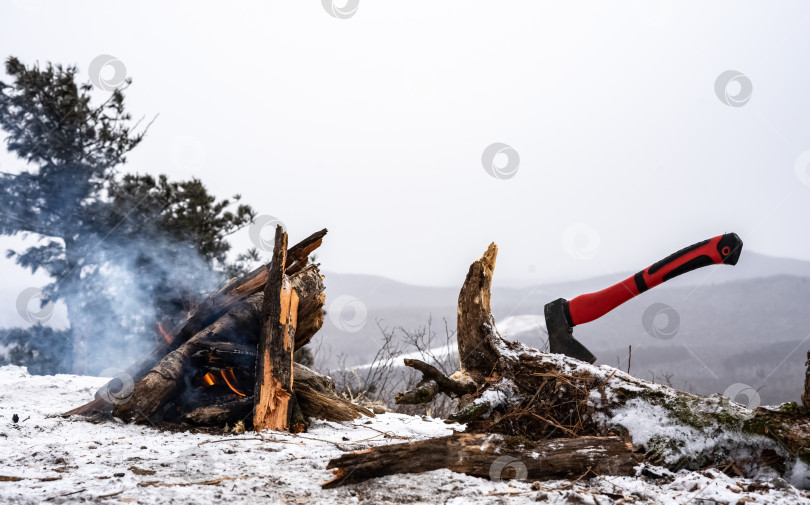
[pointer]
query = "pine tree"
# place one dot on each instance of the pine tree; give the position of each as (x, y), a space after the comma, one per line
(106, 240)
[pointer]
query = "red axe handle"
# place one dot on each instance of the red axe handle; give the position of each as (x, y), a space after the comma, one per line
(723, 249)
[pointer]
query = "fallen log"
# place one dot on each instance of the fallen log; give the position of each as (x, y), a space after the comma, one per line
(222, 414)
(317, 397)
(490, 456)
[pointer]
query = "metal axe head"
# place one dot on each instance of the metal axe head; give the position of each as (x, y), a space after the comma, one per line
(561, 332)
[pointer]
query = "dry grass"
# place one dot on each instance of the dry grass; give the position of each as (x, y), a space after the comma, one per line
(558, 408)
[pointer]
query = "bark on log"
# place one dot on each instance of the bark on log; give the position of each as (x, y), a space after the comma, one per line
(308, 285)
(223, 355)
(488, 456)
(274, 377)
(222, 414)
(318, 399)
(433, 382)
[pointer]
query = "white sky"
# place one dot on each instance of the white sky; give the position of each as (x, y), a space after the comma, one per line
(374, 126)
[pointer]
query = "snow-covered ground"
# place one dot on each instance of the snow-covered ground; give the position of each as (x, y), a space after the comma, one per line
(47, 459)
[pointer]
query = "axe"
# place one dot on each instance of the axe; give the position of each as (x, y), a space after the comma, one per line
(562, 315)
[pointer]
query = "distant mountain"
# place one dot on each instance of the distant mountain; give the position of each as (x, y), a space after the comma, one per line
(381, 291)
(749, 323)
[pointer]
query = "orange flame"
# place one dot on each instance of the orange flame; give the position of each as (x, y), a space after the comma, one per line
(164, 333)
(228, 374)
(209, 379)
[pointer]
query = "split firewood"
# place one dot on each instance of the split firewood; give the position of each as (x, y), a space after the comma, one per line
(317, 397)
(222, 414)
(274, 402)
(490, 456)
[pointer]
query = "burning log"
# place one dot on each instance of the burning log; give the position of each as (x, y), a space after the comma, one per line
(229, 296)
(217, 344)
(210, 377)
(490, 456)
(306, 280)
(164, 382)
(316, 397)
(222, 414)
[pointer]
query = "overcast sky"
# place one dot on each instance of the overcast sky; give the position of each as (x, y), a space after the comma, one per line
(374, 126)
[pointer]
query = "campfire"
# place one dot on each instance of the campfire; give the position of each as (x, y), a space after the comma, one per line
(232, 360)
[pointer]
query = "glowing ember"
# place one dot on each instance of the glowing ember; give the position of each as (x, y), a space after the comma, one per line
(208, 379)
(228, 377)
(230, 380)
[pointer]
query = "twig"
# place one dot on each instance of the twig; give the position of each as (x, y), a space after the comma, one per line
(259, 439)
(66, 494)
(629, 357)
(109, 495)
(554, 424)
(570, 485)
(390, 434)
(157, 483)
